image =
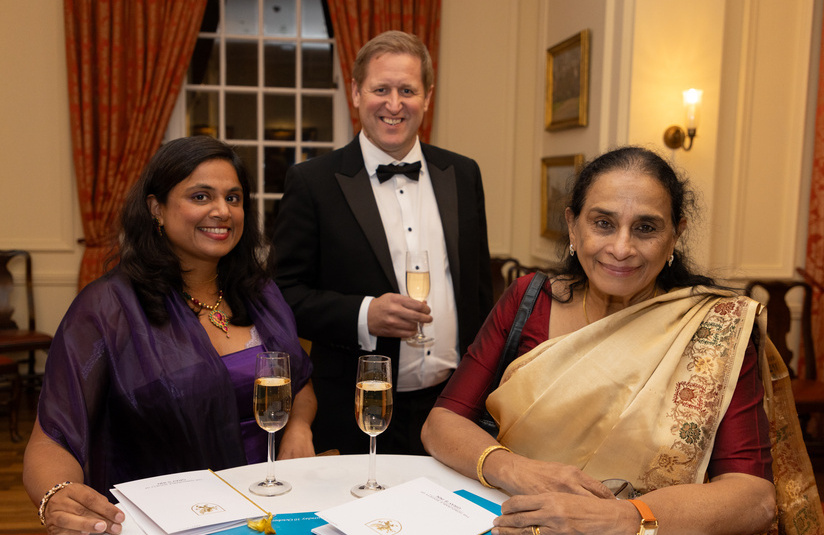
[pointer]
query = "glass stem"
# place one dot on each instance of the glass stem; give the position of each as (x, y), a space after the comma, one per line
(373, 448)
(270, 465)
(420, 330)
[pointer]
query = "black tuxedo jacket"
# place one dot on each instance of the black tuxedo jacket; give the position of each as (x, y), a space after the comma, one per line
(331, 251)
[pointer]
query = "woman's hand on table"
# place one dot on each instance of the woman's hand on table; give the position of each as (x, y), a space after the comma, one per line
(296, 442)
(80, 509)
(564, 513)
(297, 435)
(520, 475)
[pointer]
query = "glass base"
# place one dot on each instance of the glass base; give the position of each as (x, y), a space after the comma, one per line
(359, 491)
(420, 340)
(270, 488)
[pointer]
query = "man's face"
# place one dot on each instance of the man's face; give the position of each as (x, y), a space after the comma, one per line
(391, 102)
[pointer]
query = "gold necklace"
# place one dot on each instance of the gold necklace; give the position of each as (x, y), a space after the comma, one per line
(218, 318)
(584, 304)
(190, 283)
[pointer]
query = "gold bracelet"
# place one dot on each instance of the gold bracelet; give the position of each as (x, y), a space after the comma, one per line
(481, 460)
(41, 511)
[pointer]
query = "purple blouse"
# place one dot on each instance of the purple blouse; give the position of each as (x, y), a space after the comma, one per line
(241, 366)
(132, 400)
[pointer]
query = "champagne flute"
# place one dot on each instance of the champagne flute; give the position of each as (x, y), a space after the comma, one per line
(272, 402)
(373, 410)
(417, 286)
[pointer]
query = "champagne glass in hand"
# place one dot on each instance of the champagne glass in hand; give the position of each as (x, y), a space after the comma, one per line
(417, 286)
(272, 401)
(373, 409)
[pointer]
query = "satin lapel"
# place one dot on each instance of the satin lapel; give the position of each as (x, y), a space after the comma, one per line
(361, 199)
(445, 185)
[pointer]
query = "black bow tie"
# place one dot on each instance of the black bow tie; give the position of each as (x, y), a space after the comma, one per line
(411, 170)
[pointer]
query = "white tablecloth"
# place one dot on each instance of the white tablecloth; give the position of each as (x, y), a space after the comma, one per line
(322, 482)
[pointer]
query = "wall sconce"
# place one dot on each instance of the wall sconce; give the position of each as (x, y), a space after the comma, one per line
(675, 136)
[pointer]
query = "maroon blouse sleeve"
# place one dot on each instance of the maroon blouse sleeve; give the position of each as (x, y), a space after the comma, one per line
(742, 443)
(466, 392)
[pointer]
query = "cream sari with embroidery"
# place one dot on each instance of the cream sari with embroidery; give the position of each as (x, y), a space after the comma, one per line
(639, 396)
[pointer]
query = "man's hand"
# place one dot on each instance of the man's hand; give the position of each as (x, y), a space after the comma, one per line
(396, 316)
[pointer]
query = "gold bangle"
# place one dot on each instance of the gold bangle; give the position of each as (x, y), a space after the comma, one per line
(481, 460)
(41, 511)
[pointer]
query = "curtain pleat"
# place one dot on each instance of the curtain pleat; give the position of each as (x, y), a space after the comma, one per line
(814, 265)
(357, 21)
(126, 61)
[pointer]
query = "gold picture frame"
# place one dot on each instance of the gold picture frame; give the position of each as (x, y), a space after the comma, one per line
(567, 83)
(556, 172)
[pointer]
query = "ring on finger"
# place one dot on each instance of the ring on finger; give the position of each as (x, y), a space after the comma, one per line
(536, 530)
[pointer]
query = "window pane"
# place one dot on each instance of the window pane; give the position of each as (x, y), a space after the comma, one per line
(317, 118)
(279, 64)
(241, 63)
(279, 117)
(241, 116)
(249, 157)
(201, 112)
(242, 17)
(278, 160)
(280, 18)
(312, 20)
(205, 65)
(317, 66)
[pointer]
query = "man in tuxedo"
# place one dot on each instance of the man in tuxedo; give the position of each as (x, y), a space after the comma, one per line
(342, 233)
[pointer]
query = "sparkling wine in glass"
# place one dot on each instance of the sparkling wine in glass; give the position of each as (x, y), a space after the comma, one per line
(373, 410)
(272, 402)
(417, 286)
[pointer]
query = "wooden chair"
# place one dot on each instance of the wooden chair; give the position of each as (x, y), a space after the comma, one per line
(499, 265)
(10, 387)
(519, 270)
(808, 392)
(504, 272)
(12, 337)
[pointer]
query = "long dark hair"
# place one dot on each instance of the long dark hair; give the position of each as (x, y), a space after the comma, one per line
(682, 204)
(146, 257)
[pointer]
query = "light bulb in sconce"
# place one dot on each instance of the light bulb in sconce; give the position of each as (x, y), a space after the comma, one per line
(675, 136)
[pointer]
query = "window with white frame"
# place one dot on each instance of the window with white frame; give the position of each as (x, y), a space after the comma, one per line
(264, 77)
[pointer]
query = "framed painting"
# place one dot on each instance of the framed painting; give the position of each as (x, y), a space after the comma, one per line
(567, 83)
(556, 173)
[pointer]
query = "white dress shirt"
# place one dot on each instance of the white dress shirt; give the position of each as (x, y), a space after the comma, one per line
(412, 222)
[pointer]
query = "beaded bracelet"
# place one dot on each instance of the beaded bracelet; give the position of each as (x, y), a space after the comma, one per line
(41, 512)
(481, 460)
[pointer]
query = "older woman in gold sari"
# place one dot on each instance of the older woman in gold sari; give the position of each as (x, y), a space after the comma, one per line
(632, 368)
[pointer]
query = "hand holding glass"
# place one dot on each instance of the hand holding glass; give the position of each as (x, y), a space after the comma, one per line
(417, 286)
(373, 409)
(272, 402)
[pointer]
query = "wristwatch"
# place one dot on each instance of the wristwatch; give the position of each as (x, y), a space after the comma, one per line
(649, 524)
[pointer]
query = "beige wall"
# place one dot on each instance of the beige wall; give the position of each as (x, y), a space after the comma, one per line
(751, 156)
(39, 208)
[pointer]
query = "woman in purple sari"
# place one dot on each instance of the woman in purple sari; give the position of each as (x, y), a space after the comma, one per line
(151, 370)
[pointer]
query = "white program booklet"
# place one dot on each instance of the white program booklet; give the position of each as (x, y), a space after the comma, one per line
(417, 507)
(186, 503)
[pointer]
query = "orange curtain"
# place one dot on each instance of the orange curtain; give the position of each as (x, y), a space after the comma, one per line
(126, 60)
(814, 265)
(357, 21)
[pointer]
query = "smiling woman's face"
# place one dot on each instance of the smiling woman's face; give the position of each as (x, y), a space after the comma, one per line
(624, 234)
(203, 215)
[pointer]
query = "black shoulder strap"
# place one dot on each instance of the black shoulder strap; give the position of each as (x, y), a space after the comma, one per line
(524, 310)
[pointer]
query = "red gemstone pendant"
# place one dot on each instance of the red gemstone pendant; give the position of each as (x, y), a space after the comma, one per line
(220, 321)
